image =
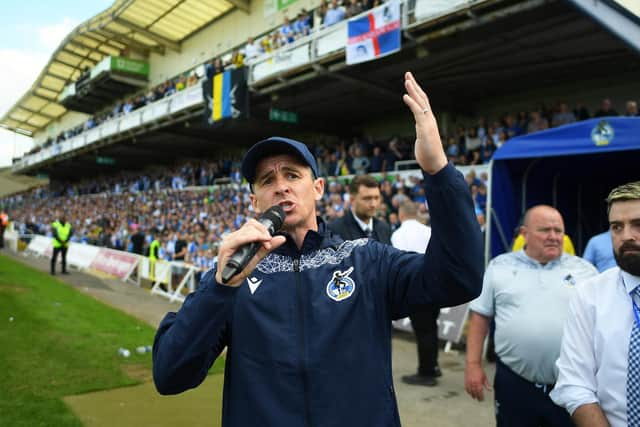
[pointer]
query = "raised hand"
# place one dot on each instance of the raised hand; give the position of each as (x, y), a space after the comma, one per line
(428, 148)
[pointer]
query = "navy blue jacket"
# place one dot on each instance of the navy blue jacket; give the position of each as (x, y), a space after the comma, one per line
(308, 335)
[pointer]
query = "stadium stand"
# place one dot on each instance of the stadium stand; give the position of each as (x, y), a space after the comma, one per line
(14, 184)
(463, 48)
(203, 215)
(146, 74)
(143, 112)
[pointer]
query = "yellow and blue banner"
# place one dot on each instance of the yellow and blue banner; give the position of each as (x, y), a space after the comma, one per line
(375, 34)
(226, 96)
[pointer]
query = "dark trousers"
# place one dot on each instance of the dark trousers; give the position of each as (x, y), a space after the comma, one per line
(1, 237)
(520, 403)
(425, 327)
(56, 251)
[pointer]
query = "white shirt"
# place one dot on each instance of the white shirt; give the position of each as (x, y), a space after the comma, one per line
(251, 50)
(364, 226)
(530, 302)
(595, 349)
(411, 236)
(171, 246)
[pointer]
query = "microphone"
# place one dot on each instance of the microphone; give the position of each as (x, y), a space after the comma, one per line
(272, 218)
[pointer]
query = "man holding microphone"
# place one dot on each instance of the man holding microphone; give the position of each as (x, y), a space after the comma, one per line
(307, 322)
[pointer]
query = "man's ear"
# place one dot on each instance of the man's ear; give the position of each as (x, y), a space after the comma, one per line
(318, 186)
(254, 203)
(523, 231)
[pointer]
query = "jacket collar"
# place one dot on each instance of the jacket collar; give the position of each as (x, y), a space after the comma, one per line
(314, 240)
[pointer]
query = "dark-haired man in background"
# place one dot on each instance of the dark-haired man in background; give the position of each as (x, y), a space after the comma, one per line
(360, 221)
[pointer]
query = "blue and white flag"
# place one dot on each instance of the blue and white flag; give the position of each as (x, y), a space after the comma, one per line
(375, 34)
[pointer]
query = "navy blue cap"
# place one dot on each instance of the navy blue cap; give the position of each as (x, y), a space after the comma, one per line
(274, 146)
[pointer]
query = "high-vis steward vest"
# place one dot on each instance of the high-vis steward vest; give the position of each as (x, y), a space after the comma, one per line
(154, 247)
(62, 232)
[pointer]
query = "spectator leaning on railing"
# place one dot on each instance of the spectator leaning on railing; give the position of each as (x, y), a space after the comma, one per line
(335, 13)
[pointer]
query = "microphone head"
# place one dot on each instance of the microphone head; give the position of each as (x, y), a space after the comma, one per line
(275, 214)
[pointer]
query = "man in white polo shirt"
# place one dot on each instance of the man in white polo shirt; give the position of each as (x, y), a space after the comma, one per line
(599, 380)
(528, 293)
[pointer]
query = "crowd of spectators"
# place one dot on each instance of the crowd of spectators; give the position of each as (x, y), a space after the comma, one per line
(328, 13)
(111, 210)
(466, 145)
(124, 107)
(189, 174)
(475, 144)
(188, 211)
(291, 30)
(124, 210)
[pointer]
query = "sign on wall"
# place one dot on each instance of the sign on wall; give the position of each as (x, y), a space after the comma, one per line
(273, 6)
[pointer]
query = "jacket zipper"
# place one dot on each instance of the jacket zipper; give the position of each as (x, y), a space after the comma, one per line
(301, 342)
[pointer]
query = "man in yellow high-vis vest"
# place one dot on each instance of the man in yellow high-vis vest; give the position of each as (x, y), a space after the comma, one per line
(154, 249)
(61, 234)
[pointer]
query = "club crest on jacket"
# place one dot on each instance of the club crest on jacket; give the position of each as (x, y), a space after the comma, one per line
(341, 286)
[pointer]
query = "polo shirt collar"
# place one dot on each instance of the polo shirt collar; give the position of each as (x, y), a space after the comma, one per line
(551, 264)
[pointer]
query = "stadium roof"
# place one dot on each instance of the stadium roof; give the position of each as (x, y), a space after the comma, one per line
(140, 25)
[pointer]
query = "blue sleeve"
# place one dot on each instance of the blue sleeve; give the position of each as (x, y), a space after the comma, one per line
(188, 342)
(450, 272)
